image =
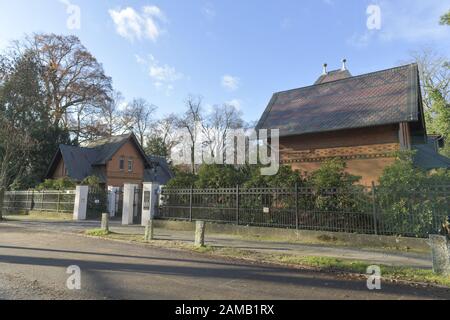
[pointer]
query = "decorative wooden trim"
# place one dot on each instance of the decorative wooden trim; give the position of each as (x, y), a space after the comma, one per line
(349, 157)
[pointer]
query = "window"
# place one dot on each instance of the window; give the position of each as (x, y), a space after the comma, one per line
(122, 164)
(130, 165)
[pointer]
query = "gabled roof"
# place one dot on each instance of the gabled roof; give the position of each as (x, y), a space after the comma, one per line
(427, 156)
(160, 171)
(107, 147)
(82, 162)
(373, 99)
(78, 161)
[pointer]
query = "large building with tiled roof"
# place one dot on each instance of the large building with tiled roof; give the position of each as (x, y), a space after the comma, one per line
(363, 120)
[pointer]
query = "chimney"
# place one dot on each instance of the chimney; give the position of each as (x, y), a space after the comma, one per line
(344, 64)
(325, 72)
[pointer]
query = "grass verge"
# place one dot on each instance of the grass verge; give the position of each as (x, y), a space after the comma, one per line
(324, 264)
(37, 215)
(98, 233)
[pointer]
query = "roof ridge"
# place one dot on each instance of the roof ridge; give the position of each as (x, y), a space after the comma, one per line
(352, 77)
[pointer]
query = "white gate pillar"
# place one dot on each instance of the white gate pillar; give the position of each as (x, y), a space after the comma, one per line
(80, 205)
(149, 201)
(128, 201)
(112, 200)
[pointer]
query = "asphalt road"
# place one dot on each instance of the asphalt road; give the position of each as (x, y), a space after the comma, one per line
(33, 265)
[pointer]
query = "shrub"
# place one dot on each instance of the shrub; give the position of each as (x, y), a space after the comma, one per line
(285, 178)
(92, 181)
(58, 184)
(409, 200)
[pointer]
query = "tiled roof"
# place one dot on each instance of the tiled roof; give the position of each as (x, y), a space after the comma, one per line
(383, 97)
(82, 162)
(427, 156)
(333, 76)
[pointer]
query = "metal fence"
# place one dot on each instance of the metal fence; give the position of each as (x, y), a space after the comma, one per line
(52, 201)
(414, 213)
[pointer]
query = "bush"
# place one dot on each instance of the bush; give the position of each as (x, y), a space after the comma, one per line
(285, 178)
(409, 198)
(92, 181)
(58, 184)
(182, 180)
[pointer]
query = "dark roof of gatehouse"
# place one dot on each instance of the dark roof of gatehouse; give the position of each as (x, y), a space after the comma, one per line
(82, 162)
(340, 101)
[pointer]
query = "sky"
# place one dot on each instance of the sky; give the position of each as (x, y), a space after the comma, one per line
(237, 52)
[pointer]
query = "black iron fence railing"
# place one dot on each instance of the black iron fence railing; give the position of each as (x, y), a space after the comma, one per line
(412, 213)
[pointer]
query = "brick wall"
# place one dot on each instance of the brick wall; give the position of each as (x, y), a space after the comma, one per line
(366, 151)
(117, 177)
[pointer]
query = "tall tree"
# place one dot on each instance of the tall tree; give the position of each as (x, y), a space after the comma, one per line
(111, 116)
(71, 76)
(28, 139)
(434, 74)
(191, 122)
(217, 126)
(445, 19)
(162, 137)
(139, 118)
(435, 81)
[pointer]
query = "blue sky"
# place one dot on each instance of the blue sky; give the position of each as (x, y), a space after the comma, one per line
(239, 52)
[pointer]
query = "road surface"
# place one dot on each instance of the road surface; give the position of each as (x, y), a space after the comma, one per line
(33, 265)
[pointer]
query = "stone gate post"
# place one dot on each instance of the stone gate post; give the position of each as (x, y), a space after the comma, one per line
(128, 202)
(80, 205)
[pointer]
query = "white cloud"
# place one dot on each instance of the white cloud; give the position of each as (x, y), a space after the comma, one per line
(209, 11)
(163, 76)
(132, 24)
(237, 103)
(406, 20)
(230, 82)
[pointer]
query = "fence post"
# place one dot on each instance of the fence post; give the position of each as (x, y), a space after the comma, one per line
(149, 230)
(296, 207)
(200, 227)
(105, 222)
(191, 191)
(237, 205)
(57, 205)
(374, 209)
(440, 256)
(32, 200)
(2, 198)
(80, 203)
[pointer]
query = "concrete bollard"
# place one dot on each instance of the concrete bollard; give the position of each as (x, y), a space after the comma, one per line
(105, 222)
(200, 227)
(2, 198)
(440, 255)
(149, 235)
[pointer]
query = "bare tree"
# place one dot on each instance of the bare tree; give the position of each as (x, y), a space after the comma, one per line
(191, 122)
(111, 116)
(138, 117)
(217, 126)
(165, 131)
(435, 74)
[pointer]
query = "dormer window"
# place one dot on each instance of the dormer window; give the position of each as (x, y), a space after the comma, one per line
(130, 165)
(122, 164)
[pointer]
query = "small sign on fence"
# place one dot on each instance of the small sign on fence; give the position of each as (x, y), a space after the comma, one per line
(266, 210)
